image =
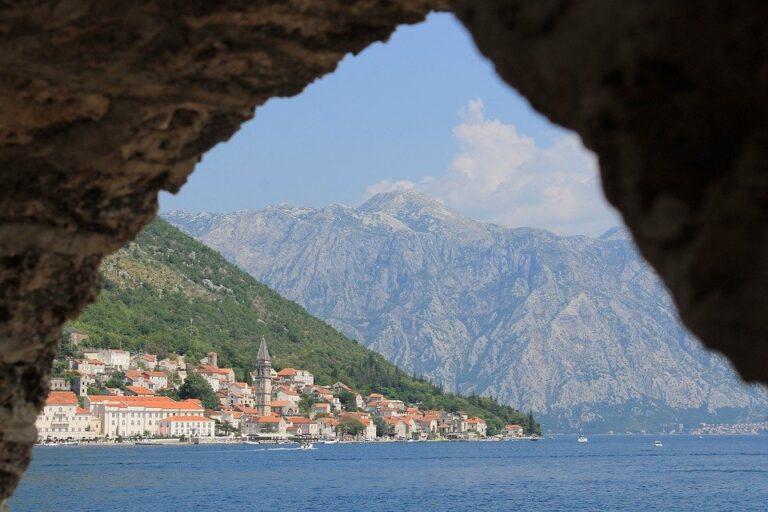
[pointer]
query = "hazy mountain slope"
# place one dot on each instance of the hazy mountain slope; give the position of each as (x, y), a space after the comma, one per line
(579, 329)
(166, 292)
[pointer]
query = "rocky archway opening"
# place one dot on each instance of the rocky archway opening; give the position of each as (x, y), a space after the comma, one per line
(103, 106)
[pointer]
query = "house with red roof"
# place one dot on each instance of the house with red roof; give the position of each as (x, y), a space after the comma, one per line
(308, 426)
(147, 379)
(186, 426)
(217, 377)
(240, 393)
(326, 427)
(263, 426)
(513, 430)
(289, 394)
(295, 377)
(63, 419)
(129, 416)
(397, 427)
(476, 426)
(319, 408)
(91, 366)
(138, 391)
(284, 408)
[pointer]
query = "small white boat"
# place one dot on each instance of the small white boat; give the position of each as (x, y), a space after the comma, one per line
(583, 439)
(657, 444)
(331, 441)
(307, 446)
(251, 442)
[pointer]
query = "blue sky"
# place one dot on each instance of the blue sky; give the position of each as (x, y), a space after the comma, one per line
(424, 110)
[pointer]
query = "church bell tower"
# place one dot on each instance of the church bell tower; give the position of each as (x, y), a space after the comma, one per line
(262, 380)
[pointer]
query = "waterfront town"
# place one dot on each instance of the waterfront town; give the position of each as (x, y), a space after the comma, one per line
(114, 395)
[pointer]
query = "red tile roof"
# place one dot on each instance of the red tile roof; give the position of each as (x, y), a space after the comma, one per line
(287, 372)
(211, 369)
(301, 420)
(140, 390)
(267, 419)
(61, 398)
(151, 402)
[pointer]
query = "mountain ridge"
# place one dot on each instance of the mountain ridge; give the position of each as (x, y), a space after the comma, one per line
(574, 327)
(167, 293)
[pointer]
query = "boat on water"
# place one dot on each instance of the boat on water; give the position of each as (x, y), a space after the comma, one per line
(252, 442)
(583, 439)
(657, 444)
(307, 446)
(331, 441)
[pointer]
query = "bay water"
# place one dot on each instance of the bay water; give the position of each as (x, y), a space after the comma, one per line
(627, 473)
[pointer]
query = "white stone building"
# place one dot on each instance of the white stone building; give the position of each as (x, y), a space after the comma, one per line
(114, 358)
(148, 379)
(289, 394)
(294, 377)
(186, 426)
(129, 416)
(251, 425)
(62, 419)
(91, 366)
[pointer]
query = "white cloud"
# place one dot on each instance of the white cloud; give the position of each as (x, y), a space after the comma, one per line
(502, 176)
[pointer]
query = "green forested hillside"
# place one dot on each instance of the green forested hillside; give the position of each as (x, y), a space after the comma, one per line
(167, 293)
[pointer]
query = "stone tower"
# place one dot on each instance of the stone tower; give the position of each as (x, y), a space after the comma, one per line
(262, 380)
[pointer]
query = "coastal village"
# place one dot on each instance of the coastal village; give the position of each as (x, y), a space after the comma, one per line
(277, 406)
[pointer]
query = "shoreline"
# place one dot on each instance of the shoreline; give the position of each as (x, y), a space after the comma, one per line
(229, 441)
(177, 442)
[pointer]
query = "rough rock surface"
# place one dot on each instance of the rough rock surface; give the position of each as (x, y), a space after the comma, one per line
(578, 329)
(103, 103)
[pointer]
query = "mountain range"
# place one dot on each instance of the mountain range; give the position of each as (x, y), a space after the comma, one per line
(579, 329)
(167, 293)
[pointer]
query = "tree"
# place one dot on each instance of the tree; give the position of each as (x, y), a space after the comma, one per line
(170, 392)
(197, 387)
(531, 427)
(116, 380)
(347, 400)
(350, 427)
(305, 404)
(381, 426)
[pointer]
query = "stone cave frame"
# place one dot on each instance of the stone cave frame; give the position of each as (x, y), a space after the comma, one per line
(104, 103)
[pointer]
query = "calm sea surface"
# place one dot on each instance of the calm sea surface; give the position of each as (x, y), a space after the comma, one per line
(609, 473)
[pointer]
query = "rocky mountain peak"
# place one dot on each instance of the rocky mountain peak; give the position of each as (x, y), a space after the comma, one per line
(578, 329)
(616, 233)
(407, 202)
